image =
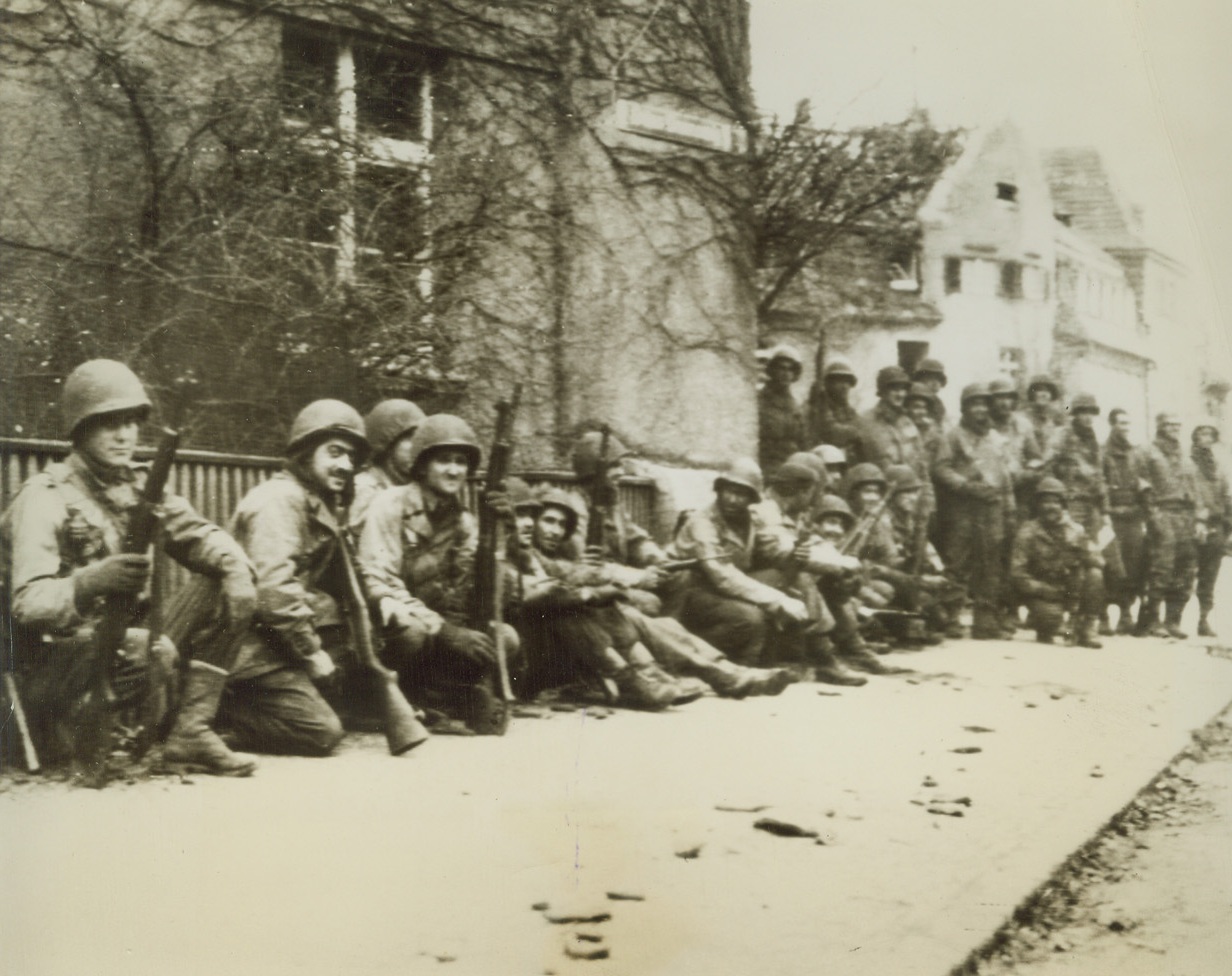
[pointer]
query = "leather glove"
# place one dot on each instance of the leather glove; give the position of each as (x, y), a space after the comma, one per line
(470, 644)
(122, 573)
(239, 597)
(319, 666)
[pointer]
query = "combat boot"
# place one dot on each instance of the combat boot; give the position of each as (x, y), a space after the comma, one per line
(1084, 634)
(193, 741)
(685, 689)
(1204, 626)
(1125, 623)
(640, 687)
(1105, 625)
(1172, 621)
(732, 680)
(1148, 619)
(827, 668)
(854, 654)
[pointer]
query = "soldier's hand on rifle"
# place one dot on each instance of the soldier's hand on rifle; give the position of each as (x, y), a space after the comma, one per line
(319, 665)
(123, 573)
(593, 556)
(470, 644)
(652, 578)
(802, 554)
(239, 594)
(792, 610)
(498, 502)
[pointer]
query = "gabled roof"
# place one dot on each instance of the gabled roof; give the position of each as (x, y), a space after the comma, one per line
(1082, 188)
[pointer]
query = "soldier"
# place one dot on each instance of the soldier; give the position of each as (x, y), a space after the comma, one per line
(1056, 569)
(721, 601)
(1127, 479)
(930, 374)
(1176, 527)
(390, 425)
(832, 419)
(62, 544)
(887, 434)
(417, 554)
(1041, 427)
(1077, 463)
(835, 460)
(291, 526)
(787, 511)
(925, 411)
(924, 587)
(975, 504)
(781, 419)
(569, 616)
(1217, 500)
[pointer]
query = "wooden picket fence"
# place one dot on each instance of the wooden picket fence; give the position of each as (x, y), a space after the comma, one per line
(214, 483)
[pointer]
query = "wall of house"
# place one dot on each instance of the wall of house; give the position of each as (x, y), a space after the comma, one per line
(985, 329)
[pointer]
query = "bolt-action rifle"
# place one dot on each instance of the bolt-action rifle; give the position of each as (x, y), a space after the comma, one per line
(120, 611)
(403, 729)
(854, 541)
(602, 496)
(487, 597)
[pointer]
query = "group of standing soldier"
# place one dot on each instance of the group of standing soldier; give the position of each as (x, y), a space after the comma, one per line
(358, 560)
(1025, 505)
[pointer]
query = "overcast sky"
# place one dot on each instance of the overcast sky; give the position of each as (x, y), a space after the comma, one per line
(1147, 81)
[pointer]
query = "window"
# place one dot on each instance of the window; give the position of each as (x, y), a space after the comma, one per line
(1011, 280)
(366, 107)
(1007, 192)
(953, 275)
(904, 268)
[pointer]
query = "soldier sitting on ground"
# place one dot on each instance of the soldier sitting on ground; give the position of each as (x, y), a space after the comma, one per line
(417, 554)
(390, 426)
(570, 615)
(63, 555)
(1057, 570)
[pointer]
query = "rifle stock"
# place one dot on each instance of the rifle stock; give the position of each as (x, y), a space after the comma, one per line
(403, 730)
(858, 535)
(120, 611)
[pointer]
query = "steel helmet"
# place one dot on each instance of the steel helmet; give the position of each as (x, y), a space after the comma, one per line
(830, 454)
(902, 477)
(889, 376)
(1205, 425)
(797, 469)
(553, 497)
(789, 354)
(586, 450)
(833, 505)
(328, 418)
(444, 430)
(1045, 381)
(840, 368)
(1167, 418)
(743, 473)
(389, 420)
(521, 495)
(1085, 402)
(863, 474)
(98, 387)
(930, 367)
(812, 461)
(1003, 386)
(1050, 486)
(974, 391)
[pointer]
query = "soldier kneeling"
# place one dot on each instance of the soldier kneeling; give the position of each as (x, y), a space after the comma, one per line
(1056, 569)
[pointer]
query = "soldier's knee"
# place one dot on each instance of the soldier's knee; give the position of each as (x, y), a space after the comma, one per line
(321, 737)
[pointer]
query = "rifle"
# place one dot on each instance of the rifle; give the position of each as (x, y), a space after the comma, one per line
(120, 611)
(602, 496)
(855, 539)
(487, 598)
(674, 565)
(403, 730)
